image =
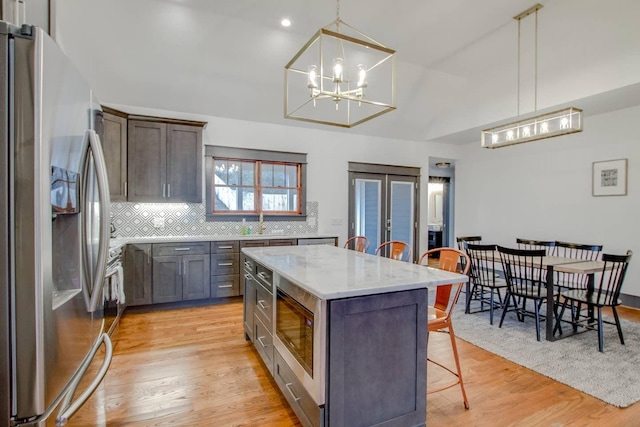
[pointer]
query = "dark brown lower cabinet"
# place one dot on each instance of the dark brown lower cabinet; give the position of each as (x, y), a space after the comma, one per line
(172, 272)
(138, 274)
(180, 278)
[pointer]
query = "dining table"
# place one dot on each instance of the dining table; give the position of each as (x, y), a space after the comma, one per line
(553, 264)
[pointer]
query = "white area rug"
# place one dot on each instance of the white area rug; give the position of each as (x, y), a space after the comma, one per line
(612, 376)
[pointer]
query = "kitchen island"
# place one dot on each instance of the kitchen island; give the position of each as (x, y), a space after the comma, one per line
(343, 333)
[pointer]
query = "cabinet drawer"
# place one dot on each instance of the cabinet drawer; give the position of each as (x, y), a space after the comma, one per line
(222, 264)
(225, 247)
(264, 305)
(319, 241)
(185, 248)
(248, 265)
(309, 413)
(283, 242)
(253, 243)
(225, 286)
(264, 276)
(263, 341)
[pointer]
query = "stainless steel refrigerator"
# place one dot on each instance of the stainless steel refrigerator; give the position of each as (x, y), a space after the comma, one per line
(54, 233)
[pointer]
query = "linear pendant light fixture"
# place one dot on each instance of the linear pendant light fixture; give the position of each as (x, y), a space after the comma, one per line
(561, 122)
(340, 77)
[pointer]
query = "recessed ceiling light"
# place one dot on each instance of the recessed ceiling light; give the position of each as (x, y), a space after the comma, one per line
(285, 22)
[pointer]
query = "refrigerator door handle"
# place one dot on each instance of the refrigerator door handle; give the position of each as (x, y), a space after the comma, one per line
(68, 409)
(93, 295)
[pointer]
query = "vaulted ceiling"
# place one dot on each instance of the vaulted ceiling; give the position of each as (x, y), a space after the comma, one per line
(457, 59)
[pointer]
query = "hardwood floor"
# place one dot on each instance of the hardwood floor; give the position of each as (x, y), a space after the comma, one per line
(193, 367)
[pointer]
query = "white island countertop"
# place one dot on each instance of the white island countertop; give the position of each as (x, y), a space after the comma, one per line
(329, 272)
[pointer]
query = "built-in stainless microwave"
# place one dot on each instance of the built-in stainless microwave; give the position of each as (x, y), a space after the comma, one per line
(301, 335)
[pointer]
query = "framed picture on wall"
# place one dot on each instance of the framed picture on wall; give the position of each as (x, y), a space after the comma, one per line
(610, 178)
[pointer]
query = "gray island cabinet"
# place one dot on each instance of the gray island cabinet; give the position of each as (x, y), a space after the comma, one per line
(344, 334)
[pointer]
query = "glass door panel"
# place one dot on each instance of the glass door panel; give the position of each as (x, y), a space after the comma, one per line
(368, 211)
(401, 209)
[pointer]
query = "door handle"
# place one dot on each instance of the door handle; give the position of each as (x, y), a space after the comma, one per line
(68, 409)
(93, 296)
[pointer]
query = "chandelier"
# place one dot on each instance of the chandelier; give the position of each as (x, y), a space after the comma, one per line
(556, 123)
(340, 77)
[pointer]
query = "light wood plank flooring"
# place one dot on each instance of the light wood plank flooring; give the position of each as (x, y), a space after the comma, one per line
(192, 367)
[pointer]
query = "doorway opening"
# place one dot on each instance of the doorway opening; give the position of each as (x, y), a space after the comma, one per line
(440, 203)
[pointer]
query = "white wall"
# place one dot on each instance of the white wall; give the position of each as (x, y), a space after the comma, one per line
(542, 190)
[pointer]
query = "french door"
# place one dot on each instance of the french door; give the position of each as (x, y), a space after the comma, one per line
(383, 206)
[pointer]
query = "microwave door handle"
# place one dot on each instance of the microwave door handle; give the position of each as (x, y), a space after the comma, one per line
(105, 225)
(68, 409)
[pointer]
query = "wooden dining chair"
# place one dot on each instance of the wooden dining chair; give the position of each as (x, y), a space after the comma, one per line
(605, 294)
(467, 239)
(528, 244)
(580, 252)
(395, 249)
(462, 241)
(439, 317)
(525, 279)
(357, 243)
(484, 279)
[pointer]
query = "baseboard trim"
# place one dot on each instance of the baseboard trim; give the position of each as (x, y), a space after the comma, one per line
(630, 300)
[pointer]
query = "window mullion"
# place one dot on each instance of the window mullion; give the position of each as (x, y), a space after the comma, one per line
(258, 186)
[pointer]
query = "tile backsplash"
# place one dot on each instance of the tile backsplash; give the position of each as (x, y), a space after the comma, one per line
(188, 219)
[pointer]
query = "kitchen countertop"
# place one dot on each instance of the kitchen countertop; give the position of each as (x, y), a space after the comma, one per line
(121, 241)
(331, 272)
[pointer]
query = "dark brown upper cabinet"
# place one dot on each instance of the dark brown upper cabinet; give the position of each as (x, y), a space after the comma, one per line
(152, 159)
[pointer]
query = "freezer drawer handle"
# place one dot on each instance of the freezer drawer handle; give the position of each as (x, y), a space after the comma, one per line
(293, 395)
(68, 409)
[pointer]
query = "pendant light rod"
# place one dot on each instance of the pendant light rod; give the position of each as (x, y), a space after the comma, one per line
(519, 17)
